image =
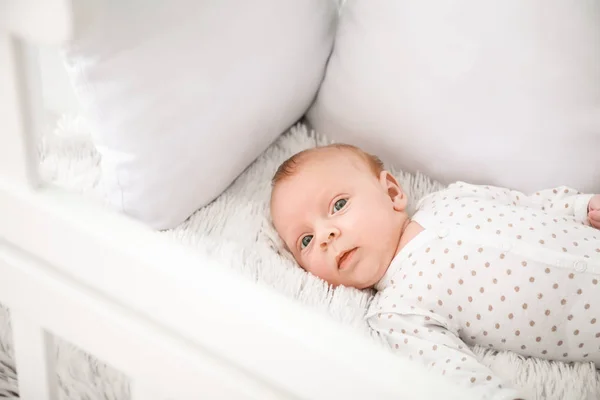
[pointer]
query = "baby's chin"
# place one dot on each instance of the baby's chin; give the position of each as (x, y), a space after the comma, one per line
(363, 278)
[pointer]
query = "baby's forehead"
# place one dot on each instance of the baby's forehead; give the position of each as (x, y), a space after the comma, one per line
(318, 169)
(315, 180)
(328, 157)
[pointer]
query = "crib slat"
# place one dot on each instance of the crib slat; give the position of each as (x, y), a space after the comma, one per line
(18, 159)
(35, 360)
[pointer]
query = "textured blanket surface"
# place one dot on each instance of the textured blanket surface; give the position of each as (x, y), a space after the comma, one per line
(235, 229)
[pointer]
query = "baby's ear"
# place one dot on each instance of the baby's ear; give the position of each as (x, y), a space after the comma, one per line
(393, 189)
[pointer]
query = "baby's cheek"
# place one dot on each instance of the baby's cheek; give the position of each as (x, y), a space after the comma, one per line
(316, 265)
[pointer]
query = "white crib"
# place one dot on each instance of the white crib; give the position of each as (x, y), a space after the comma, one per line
(104, 283)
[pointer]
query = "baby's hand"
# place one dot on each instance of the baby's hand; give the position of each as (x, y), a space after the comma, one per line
(594, 211)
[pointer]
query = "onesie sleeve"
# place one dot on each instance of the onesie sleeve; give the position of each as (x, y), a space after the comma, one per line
(422, 339)
(560, 201)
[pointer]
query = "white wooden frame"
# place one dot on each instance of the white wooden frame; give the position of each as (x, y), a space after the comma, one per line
(127, 296)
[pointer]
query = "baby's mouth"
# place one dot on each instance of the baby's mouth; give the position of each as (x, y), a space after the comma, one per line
(345, 258)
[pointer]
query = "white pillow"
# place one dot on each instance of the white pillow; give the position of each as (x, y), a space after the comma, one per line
(183, 95)
(504, 93)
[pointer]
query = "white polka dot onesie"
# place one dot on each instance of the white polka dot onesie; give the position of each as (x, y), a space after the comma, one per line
(499, 269)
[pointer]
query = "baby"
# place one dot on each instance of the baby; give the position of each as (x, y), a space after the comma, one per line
(474, 264)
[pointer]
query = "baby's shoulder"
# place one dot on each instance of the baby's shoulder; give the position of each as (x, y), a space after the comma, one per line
(387, 298)
(457, 191)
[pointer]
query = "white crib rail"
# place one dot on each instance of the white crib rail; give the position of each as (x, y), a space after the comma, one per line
(17, 160)
(121, 293)
(109, 332)
(35, 358)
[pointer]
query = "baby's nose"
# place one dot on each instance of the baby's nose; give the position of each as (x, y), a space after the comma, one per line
(330, 235)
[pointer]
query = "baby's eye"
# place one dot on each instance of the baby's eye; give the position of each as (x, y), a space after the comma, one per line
(339, 205)
(305, 241)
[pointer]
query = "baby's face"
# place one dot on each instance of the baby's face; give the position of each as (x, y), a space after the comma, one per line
(340, 221)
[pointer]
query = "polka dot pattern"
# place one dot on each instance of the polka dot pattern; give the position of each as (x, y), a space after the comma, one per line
(501, 270)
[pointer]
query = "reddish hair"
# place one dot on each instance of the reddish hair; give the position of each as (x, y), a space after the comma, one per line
(290, 166)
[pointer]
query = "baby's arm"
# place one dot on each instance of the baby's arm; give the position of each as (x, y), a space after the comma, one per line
(561, 201)
(421, 339)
